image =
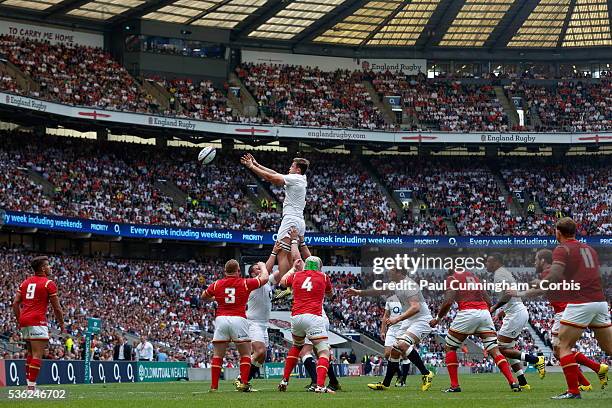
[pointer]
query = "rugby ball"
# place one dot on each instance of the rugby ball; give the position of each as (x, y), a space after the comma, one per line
(207, 155)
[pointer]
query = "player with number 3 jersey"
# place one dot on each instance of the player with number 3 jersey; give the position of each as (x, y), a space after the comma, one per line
(231, 294)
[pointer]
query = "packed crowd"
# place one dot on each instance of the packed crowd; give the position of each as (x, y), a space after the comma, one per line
(132, 183)
(444, 105)
(580, 189)
(124, 183)
(571, 105)
(304, 96)
(76, 75)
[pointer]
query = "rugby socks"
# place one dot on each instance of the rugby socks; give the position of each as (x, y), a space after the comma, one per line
(404, 370)
(255, 366)
(587, 362)
(504, 367)
(311, 367)
(582, 380)
(332, 375)
(520, 376)
(291, 362)
(392, 368)
(33, 371)
(415, 359)
(570, 370)
(452, 365)
(322, 370)
(215, 371)
(245, 369)
(28, 362)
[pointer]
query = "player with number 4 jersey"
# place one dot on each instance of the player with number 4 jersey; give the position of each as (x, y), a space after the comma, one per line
(231, 294)
(310, 285)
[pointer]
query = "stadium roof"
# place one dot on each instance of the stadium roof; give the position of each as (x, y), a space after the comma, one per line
(358, 23)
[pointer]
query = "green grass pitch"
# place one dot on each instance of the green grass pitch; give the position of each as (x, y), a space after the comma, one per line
(484, 390)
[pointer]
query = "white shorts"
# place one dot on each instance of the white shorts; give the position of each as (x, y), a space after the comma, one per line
(258, 331)
(288, 222)
(513, 324)
(231, 329)
(554, 330)
(473, 321)
(35, 333)
(595, 315)
(308, 325)
(419, 328)
(326, 320)
(392, 333)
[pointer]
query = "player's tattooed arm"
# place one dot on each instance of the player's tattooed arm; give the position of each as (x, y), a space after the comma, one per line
(17, 305)
(502, 301)
(57, 311)
(414, 308)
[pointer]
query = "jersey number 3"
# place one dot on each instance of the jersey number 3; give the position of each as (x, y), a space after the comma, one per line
(30, 291)
(307, 284)
(231, 295)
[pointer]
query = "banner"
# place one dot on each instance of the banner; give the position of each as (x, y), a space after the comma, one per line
(355, 370)
(330, 64)
(153, 371)
(274, 132)
(273, 370)
(53, 35)
(80, 225)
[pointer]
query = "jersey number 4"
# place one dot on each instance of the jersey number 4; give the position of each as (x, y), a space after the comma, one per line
(307, 284)
(231, 295)
(30, 291)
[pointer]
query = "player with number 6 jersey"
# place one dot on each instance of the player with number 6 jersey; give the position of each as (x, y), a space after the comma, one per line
(30, 307)
(231, 294)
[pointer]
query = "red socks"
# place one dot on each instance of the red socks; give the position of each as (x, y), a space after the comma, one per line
(452, 365)
(570, 370)
(322, 367)
(291, 361)
(27, 367)
(33, 371)
(582, 380)
(585, 361)
(504, 367)
(215, 371)
(245, 369)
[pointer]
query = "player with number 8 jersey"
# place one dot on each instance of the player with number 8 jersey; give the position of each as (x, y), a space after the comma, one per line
(232, 294)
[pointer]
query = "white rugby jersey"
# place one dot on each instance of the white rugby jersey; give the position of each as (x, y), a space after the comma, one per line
(406, 289)
(259, 305)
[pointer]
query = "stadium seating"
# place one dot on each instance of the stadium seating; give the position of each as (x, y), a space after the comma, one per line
(303, 96)
(445, 105)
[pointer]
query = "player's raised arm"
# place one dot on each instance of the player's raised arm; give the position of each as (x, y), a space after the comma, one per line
(272, 260)
(258, 165)
(304, 251)
(270, 176)
(263, 275)
(295, 249)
